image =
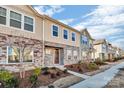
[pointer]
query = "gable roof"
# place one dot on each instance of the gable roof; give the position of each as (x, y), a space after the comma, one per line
(99, 41)
(38, 14)
(86, 31)
(58, 22)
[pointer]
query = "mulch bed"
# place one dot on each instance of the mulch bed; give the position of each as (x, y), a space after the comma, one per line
(80, 68)
(43, 80)
(117, 81)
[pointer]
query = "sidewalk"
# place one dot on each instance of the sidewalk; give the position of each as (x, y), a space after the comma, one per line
(99, 80)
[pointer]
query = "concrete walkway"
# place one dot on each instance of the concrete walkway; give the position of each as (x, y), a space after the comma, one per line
(78, 74)
(99, 80)
(73, 73)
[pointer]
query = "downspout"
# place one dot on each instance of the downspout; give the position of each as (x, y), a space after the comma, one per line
(80, 47)
(43, 64)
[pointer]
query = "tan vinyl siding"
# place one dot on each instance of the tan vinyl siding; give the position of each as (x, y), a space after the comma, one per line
(60, 39)
(38, 28)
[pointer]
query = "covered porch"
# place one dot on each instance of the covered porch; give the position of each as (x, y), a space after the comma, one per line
(54, 56)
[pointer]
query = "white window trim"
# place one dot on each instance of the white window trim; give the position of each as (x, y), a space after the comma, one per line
(15, 19)
(87, 40)
(22, 21)
(67, 34)
(19, 61)
(52, 30)
(32, 58)
(29, 24)
(75, 37)
(5, 16)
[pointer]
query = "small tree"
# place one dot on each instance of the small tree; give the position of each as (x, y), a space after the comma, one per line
(22, 44)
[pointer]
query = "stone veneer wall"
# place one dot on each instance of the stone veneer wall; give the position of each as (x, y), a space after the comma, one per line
(15, 41)
(63, 52)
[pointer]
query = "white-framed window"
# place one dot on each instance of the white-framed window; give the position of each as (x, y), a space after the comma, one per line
(69, 54)
(84, 40)
(15, 19)
(55, 30)
(75, 54)
(73, 36)
(3, 13)
(13, 55)
(65, 34)
(47, 51)
(28, 55)
(28, 23)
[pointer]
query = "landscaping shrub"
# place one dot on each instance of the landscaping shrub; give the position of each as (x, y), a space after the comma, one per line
(79, 62)
(33, 79)
(45, 71)
(45, 68)
(71, 66)
(54, 68)
(65, 71)
(100, 63)
(58, 74)
(5, 75)
(37, 71)
(8, 80)
(80, 70)
(12, 83)
(1, 84)
(51, 86)
(92, 66)
(52, 75)
(98, 60)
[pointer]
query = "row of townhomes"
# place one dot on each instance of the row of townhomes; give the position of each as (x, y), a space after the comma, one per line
(105, 50)
(30, 39)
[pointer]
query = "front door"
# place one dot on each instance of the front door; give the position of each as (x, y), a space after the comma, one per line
(56, 59)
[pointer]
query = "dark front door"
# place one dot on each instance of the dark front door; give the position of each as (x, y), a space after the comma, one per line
(56, 56)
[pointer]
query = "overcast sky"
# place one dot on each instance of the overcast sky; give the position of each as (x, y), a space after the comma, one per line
(101, 21)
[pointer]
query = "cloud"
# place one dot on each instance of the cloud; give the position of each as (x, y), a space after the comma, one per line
(119, 43)
(49, 10)
(105, 22)
(67, 21)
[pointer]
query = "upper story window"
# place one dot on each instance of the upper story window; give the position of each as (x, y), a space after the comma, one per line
(28, 23)
(84, 40)
(55, 30)
(2, 16)
(73, 36)
(65, 34)
(15, 19)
